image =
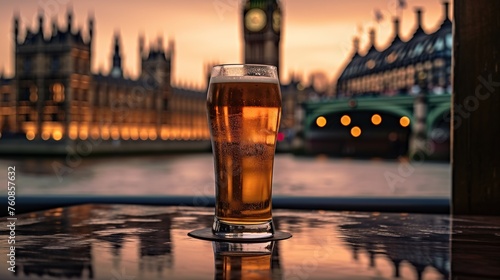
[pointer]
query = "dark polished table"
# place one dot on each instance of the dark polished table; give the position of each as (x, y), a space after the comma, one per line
(118, 242)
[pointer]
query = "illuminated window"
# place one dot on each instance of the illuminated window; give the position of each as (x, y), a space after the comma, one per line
(449, 41)
(33, 93)
(418, 49)
(58, 92)
(439, 63)
(72, 134)
(105, 135)
(125, 134)
(422, 75)
(370, 64)
(391, 57)
(45, 135)
(439, 44)
(345, 120)
(94, 133)
(134, 134)
(164, 134)
(57, 135)
(428, 65)
(321, 121)
(30, 135)
(83, 135)
(144, 135)
(115, 135)
(152, 136)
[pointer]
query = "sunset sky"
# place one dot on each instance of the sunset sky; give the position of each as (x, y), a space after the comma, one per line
(316, 37)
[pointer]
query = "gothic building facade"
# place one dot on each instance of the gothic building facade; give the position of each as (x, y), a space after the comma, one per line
(54, 95)
(420, 64)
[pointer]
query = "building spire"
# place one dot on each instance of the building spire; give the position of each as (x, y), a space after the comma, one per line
(396, 29)
(446, 10)
(355, 45)
(418, 13)
(117, 70)
(160, 44)
(69, 19)
(40, 22)
(16, 27)
(91, 27)
(141, 45)
(54, 26)
(371, 34)
(171, 47)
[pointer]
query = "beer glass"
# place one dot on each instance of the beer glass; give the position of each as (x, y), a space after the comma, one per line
(244, 110)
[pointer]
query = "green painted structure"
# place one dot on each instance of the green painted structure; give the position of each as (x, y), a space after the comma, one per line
(436, 115)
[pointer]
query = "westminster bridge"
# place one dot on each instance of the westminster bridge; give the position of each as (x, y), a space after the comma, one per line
(417, 126)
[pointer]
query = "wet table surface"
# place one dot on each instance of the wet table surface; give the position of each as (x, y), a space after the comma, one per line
(121, 242)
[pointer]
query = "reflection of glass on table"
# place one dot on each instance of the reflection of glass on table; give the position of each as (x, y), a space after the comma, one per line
(243, 260)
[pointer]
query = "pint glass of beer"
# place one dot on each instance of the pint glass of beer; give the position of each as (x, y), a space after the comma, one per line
(244, 110)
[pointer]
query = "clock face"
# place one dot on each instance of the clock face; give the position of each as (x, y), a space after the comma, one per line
(255, 20)
(276, 21)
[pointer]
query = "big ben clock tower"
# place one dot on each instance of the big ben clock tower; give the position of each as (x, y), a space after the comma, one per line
(262, 32)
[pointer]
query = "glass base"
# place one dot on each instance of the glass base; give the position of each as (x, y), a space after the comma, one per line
(250, 231)
(242, 249)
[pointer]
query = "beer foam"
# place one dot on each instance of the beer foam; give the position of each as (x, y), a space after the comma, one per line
(243, 79)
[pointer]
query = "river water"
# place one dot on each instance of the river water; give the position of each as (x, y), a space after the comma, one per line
(192, 174)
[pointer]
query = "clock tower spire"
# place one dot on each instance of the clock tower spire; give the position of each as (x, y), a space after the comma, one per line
(262, 32)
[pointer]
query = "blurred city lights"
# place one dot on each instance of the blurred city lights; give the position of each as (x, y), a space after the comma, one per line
(404, 121)
(376, 119)
(355, 131)
(345, 120)
(321, 121)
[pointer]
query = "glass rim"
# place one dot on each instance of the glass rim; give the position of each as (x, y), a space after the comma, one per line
(245, 71)
(245, 65)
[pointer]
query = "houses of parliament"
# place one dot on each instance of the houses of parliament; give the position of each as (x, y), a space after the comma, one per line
(54, 97)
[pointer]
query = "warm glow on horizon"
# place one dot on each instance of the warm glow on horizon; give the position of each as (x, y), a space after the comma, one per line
(45, 135)
(144, 135)
(30, 135)
(316, 37)
(57, 135)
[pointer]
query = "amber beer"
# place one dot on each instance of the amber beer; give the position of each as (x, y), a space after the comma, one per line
(244, 114)
(244, 266)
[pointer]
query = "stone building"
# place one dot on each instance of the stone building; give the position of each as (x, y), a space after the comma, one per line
(54, 95)
(422, 63)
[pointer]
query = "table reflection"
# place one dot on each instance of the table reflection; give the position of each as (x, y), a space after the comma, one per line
(401, 240)
(246, 261)
(144, 242)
